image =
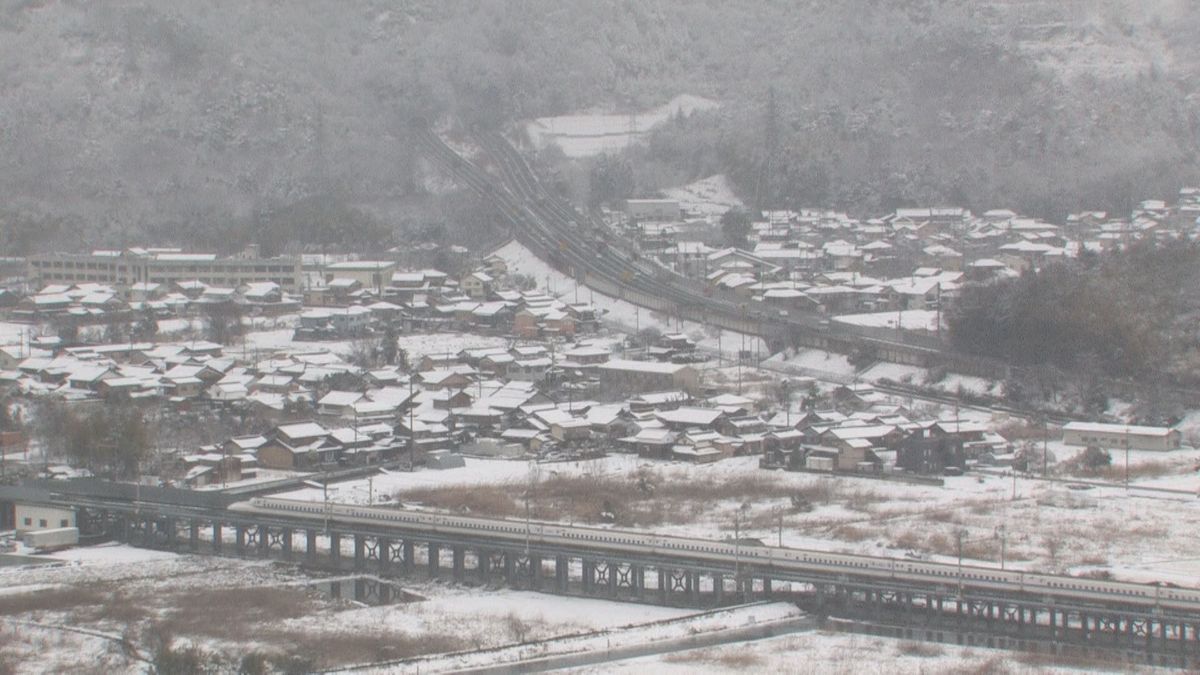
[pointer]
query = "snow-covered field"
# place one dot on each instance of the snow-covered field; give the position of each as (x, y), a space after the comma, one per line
(586, 135)
(910, 319)
(814, 363)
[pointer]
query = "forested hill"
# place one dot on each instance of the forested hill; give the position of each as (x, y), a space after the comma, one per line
(219, 122)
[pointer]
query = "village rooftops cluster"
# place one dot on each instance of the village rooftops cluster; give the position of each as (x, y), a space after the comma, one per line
(914, 258)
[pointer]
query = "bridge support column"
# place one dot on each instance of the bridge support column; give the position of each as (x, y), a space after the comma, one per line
(485, 561)
(286, 541)
(535, 572)
(718, 588)
(310, 546)
(433, 555)
(216, 537)
(589, 575)
(693, 587)
(335, 549)
(172, 532)
(612, 579)
(194, 536)
(766, 587)
(638, 575)
(407, 565)
(510, 569)
(662, 585)
(241, 539)
(360, 551)
(264, 541)
(384, 546)
(460, 556)
(562, 573)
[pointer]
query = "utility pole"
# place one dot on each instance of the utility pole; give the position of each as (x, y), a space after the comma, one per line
(959, 537)
(779, 512)
(1003, 544)
(1126, 458)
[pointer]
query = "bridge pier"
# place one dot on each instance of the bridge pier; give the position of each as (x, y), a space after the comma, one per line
(588, 575)
(662, 586)
(264, 541)
(510, 569)
(766, 587)
(535, 572)
(562, 573)
(718, 588)
(360, 554)
(433, 562)
(335, 549)
(385, 554)
(286, 540)
(460, 556)
(484, 561)
(310, 546)
(613, 570)
(217, 535)
(409, 561)
(194, 536)
(241, 539)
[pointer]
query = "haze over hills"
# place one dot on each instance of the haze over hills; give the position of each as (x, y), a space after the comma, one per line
(221, 123)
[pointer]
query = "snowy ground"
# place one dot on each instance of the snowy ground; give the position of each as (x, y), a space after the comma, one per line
(710, 196)
(50, 615)
(896, 373)
(817, 363)
(586, 135)
(911, 319)
(847, 654)
(660, 631)
(619, 313)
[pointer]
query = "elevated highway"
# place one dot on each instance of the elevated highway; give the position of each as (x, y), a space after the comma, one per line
(1162, 622)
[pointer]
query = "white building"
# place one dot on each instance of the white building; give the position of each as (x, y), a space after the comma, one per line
(1119, 436)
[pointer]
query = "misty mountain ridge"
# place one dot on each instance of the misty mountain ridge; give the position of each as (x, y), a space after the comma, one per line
(218, 123)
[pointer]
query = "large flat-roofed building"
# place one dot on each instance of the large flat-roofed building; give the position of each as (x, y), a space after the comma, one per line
(653, 209)
(372, 274)
(632, 377)
(1118, 436)
(164, 266)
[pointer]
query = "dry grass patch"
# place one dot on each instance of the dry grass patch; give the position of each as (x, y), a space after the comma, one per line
(233, 613)
(851, 533)
(733, 659)
(635, 499)
(328, 650)
(50, 600)
(921, 649)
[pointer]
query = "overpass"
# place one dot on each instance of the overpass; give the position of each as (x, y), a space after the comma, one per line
(923, 600)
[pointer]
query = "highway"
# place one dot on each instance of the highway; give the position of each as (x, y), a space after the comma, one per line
(779, 563)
